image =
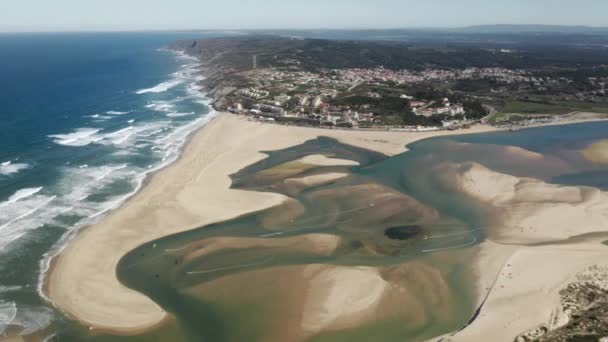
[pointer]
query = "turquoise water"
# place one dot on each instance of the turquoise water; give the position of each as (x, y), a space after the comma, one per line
(190, 286)
(355, 208)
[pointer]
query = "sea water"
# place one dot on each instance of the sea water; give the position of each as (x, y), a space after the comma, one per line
(83, 119)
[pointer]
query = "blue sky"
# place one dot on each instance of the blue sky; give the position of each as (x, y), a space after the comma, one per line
(60, 15)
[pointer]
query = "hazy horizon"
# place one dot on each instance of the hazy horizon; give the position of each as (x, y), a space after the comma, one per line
(161, 15)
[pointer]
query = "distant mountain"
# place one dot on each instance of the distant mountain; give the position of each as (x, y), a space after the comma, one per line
(500, 29)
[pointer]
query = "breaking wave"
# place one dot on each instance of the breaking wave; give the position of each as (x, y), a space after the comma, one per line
(9, 168)
(101, 165)
(160, 88)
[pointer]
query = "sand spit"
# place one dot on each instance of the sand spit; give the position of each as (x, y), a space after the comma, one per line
(522, 281)
(532, 211)
(192, 192)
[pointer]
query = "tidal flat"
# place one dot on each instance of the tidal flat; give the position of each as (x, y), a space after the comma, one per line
(386, 250)
(319, 267)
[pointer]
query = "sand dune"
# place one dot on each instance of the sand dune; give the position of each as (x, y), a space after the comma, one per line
(526, 293)
(529, 278)
(531, 211)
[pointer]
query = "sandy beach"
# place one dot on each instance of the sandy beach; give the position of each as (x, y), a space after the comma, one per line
(192, 192)
(531, 211)
(532, 252)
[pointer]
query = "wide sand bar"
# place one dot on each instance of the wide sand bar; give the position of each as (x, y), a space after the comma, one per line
(192, 192)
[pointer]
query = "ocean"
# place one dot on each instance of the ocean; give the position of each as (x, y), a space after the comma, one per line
(84, 118)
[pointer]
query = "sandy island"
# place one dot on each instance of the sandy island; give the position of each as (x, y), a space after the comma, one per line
(597, 153)
(192, 192)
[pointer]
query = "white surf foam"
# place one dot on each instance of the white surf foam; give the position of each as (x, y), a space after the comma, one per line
(179, 115)
(79, 183)
(162, 87)
(11, 213)
(8, 168)
(8, 312)
(118, 137)
(154, 132)
(32, 318)
(184, 74)
(162, 106)
(29, 209)
(173, 143)
(6, 289)
(21, 194)
(87, 136)
(80, 137)
(115, 112)
(102, 118)
(165, 138)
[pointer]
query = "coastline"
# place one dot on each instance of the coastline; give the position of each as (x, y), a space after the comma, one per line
(83, 282)
(566, 119)
(47, 264)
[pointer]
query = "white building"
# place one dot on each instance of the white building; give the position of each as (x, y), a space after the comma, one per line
(304, 101)
(317, 102)
(282, 98)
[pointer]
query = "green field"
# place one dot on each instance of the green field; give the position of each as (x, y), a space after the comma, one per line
(554, 108)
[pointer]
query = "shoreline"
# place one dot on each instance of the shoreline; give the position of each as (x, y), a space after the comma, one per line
(565, 119)
(74, 264)
(535, 233)
(50, 257)
(209, 155)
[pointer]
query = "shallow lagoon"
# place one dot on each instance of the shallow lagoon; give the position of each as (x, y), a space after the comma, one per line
(242, 279)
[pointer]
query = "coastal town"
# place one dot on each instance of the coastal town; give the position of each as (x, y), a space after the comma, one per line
(296, 85)
(345, 98)
(353, 98)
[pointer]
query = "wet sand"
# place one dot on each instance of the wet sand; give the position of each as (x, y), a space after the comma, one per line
(192, 192)
(597, 152)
